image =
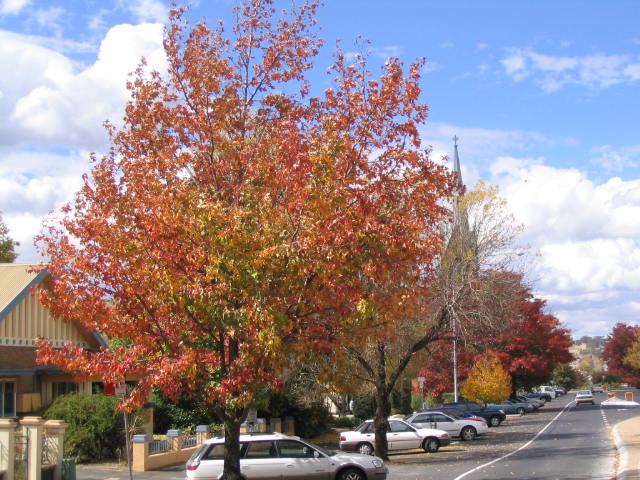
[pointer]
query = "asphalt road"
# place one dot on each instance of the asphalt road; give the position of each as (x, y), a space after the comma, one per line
(561, 441)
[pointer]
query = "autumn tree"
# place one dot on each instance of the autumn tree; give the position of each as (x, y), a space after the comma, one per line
(488, 381)
(238, 223)
(618, 345)
(566, 376)
(7, 244)
(632, 357)
(533, 343)
(460, 290)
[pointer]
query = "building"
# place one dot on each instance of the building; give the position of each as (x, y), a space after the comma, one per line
(24, 385)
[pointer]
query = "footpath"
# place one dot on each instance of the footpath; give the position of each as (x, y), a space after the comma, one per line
(627, 438)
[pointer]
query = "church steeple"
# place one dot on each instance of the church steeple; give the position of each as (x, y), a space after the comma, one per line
(456, 161)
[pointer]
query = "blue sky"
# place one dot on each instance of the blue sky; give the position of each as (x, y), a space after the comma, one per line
(543, 95)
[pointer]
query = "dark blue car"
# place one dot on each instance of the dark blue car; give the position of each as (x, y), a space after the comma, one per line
(493, 416)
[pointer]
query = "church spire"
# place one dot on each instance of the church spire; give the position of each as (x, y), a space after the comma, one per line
(456, 161)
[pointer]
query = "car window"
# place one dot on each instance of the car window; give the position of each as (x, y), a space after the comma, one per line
(216, 452)
(438, 417)
(261, 450)
(399, 427)
(421, 419)
(367, 428)
(294, 449)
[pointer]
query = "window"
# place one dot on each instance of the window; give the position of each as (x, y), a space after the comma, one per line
(399, 427)
(438, 417)
(216, 452)
(62, 388)
(261, 450)
(7, 398)
(293, 449)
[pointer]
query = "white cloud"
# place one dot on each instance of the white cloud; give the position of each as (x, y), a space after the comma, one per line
(48, 100)
(616, 160)
(31, 185)
(587, 236)
(148, 10)
(12, 7)
(552, 73)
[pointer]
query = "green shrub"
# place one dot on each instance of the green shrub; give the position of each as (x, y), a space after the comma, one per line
(311, 421)
(346, 422)
(185, 415)
(96, 428)
(364, 406)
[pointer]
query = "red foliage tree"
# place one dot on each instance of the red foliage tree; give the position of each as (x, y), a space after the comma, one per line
(616, 348)
(532, 344)
(238, 222)
(529, 342)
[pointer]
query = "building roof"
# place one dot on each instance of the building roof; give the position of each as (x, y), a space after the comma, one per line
(15, 281)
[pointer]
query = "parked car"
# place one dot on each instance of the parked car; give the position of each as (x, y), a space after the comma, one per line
(560, 391)
(512, 408)
(534, 402)
(466, 428)
(400, 436)
(584, 396)
(539, 395)
(597, 388)
(275, 455)
(551, 390)
(456, 411)
(494, 417)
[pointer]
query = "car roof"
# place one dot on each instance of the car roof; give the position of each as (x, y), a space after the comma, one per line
(255, 437)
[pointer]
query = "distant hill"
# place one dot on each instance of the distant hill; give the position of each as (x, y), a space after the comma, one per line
(589, 350)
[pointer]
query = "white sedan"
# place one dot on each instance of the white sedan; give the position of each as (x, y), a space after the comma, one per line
(400, 436)
(465, 428)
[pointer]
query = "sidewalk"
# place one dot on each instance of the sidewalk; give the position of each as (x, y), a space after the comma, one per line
(627, 438)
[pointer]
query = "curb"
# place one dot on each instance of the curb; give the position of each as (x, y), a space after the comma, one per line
(623, 455)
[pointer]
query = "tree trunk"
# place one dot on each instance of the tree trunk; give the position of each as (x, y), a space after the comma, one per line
(383, 405)
(231, 469)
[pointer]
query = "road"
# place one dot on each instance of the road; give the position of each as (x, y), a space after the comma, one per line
(560, 441)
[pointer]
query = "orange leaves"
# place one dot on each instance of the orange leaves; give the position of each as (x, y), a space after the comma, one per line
(236, 223)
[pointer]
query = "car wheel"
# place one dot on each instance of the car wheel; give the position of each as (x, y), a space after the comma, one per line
(468, 433)
(351, 474)
(495, 421)
(520, 411)
(431, 445)
(365, 448)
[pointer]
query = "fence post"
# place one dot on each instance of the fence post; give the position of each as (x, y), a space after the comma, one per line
(7, 446)
(175, 437)
(54, 429)
(35, 431)
(140, 452)
(203, 432)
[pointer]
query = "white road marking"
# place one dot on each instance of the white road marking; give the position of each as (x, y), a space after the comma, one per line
(566, 407)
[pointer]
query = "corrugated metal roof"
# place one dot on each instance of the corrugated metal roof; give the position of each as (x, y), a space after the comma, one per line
(15, 281)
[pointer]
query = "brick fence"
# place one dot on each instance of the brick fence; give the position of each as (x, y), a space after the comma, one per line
(32, 438)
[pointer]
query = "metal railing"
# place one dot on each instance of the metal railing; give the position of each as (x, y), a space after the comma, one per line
(158, 446)
(189, 441)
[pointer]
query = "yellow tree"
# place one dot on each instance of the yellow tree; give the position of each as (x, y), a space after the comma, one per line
(488, 381)
(633, 354)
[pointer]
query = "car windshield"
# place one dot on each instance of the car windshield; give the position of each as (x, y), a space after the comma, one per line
(584, 392)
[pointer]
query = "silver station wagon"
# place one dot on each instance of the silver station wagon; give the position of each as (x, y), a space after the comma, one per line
(271, 456)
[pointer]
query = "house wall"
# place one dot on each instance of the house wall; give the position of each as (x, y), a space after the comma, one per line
(30, 320)
(19, 332)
